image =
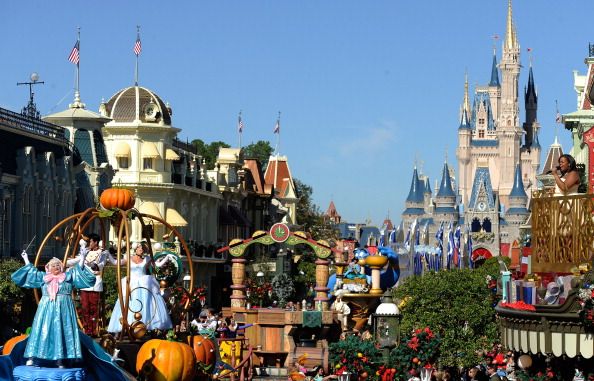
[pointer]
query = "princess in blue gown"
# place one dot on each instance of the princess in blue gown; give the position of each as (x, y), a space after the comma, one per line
(54, 334)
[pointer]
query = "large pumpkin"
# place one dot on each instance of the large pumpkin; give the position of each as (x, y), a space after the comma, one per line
(162, 360)
(204, 349)
(10, 343)
(120, 198)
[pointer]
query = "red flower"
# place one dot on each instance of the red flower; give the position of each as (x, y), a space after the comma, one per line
(414, 343)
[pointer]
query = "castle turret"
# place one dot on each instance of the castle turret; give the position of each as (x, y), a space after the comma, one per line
(445, 200)
(415, 200)
(531, 105)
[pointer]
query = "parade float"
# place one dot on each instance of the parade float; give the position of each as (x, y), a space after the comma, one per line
(135, 350)
(282, 335)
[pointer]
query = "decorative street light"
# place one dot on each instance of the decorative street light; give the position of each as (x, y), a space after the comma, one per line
(186, 280)
(260, 280)
(386, 324)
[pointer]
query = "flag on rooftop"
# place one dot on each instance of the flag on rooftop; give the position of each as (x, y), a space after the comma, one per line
(74, 56)
(137, 46)
(240, 125)
(277, 127)
(558, 118)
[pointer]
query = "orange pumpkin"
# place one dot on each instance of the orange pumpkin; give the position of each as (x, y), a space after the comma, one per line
(162, 360)
(204, 349)
(117, 198)
(10, 343)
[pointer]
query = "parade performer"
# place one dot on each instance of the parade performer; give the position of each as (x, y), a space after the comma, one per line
(54, 333)
(145, 295)
(90, 298)
(342, 308)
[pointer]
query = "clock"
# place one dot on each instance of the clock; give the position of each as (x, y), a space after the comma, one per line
(481, 206)
(150, 111)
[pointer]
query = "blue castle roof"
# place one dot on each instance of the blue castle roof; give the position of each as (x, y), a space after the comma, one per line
(445, 189)
(494, 73)
(416, 189)
(518, 189)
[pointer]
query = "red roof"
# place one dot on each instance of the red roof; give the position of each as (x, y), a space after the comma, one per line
(278, 168)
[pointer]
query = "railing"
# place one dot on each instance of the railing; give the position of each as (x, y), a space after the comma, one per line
(562, 232)
(12, 119)
(188, 147)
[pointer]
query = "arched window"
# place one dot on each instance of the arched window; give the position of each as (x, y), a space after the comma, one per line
(487, 225)
(475, 226)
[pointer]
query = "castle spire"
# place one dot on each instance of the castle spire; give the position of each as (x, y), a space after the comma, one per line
(415, 193)
(518, 188)
(494, 72)
(445, 188)
(510, 30)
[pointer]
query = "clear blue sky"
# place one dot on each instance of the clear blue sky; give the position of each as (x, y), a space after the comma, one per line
(364, 87)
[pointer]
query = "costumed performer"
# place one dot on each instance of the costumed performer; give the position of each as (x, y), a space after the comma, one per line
(90, 298)
(54, 333)
(342, 308)
(145, 295)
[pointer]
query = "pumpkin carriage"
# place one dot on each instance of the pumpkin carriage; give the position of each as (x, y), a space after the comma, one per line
(153, 359)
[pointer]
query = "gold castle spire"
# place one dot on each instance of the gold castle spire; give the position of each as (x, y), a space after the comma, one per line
(510, 32)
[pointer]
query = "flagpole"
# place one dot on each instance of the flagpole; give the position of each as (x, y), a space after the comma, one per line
(277, 130)
(136, 69)
(77, 85)
(239, 128)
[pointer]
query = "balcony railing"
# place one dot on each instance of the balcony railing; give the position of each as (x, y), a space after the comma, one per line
(562, 232)
(25, 123)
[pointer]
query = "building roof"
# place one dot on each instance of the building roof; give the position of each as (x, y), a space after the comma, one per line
(257, 184)
(494, 72)
(331, 211)
(482, 180)
(553, 155)
(415, 193)
(518, 188)
(484, 143)
(123, 107)
(445, 188)
(279, 175)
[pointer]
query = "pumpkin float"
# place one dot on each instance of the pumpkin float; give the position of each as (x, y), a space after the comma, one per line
(10, 343)
(204, 349)
(162, 360)
(119, 198)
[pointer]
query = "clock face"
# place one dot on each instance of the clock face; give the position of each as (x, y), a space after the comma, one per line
(482, 206)
(150, 110)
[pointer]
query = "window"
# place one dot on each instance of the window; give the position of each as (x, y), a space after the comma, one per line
(99, 147)
(481, 121)
(123, 162)
(147, 163)
(487, 225)
(82, 141)
(481, 134)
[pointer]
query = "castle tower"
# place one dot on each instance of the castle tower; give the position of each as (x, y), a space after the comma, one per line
(445, 200)
(517, 213)
(463, 152)
(508, 124)
(414, 206)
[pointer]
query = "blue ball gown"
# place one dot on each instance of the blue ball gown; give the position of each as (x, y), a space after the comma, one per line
(145, 298)
(54, 334)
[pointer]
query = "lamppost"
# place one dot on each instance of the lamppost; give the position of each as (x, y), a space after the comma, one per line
(386, 324)
(186, 280)
(260, 280)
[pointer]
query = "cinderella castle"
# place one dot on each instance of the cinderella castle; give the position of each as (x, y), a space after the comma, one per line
(498, 160)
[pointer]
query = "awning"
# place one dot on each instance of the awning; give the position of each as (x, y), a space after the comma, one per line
(241, 219)
(171, 155)
(224, 217)
(122, 150)
(173, 218)
(149, 150)
(152, 209)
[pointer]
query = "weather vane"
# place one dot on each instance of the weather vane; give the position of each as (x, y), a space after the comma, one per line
(31, 109)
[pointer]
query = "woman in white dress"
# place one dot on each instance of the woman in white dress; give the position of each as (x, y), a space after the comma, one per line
(145, 296)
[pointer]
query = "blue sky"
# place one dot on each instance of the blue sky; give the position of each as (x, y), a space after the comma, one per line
(364, 87)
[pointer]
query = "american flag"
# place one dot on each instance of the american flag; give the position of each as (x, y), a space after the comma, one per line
(277, 127)
(137, 46)
(558, 118)
(74, 56)
(240, 125)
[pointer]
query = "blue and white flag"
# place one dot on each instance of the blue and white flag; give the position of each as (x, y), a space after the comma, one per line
(450, 258)
(457, 236)
(392, 236)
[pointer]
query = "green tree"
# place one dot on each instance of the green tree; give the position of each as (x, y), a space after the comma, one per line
(458, 305)
(261, 150)
(209, 152)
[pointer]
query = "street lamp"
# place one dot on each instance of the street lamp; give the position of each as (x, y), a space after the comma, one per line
(386, 324)
(260, 280)
(186, 280)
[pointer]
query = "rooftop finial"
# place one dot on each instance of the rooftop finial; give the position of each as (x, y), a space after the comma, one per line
(510, 30)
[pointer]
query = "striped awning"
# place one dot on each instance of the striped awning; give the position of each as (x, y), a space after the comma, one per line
(122, 150)
(149, 150)
(173, 218)
(171, 154)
